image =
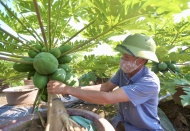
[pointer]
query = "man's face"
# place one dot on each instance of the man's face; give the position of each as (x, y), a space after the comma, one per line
(128, 63)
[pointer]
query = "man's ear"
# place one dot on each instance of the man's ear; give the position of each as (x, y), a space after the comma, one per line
(145, 61)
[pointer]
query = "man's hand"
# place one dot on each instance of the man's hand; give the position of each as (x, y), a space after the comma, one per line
(56, 87)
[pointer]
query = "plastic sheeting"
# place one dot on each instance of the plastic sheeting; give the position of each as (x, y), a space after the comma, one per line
(9, 113)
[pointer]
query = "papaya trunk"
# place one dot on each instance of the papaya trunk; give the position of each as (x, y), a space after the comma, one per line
(58, 118)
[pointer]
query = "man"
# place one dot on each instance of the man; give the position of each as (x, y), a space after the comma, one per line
(138, 90)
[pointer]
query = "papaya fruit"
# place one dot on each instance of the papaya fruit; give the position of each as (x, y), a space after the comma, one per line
(171, 66)
(65, 48)
(40, 81)
(167, 62)
(155, 69)
(30, 74)
(64, 59)
(162, 66)
(56, 52)
(45, 63)
(38, 47)
(20, 67)
(43, 49)
(66, 67)
(177, 69)
(32, 53)
(59, 75)
(165, 71)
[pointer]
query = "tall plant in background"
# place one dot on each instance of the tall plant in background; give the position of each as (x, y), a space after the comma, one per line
(8, 75)
(48, 22)
(173, 53)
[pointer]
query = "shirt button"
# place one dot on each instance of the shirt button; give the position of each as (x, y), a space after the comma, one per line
(125, 108)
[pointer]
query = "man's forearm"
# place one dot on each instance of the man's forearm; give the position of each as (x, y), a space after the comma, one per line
(93, 96)
(94, 87)
(104, 87)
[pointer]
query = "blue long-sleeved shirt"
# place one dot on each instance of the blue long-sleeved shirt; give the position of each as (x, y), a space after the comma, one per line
(141, 112)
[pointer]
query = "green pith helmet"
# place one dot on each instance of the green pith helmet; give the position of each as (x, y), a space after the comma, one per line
(139, 45)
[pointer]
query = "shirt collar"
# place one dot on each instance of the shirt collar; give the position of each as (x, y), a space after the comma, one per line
(138, 75)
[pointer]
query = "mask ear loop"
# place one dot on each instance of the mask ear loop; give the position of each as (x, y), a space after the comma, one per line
(136, 62)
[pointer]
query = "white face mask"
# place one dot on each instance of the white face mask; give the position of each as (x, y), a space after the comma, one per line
(128, 66)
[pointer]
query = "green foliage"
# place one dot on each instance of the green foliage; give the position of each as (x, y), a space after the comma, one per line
(10, 76)
(186, 98)
(71, 80)
(172, 46)
(87, 78)
(170, 80)
(103, 66)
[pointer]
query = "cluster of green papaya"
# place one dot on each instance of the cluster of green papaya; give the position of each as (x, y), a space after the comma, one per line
(165, 66)
(43, 66)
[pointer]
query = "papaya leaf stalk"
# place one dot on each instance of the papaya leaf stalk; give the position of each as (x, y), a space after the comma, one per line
(12, 55)
(14, 60)
(62, 31)
(41, 24)
(49, 24)
(57, 20)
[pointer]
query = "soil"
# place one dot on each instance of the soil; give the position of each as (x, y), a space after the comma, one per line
(178, 116)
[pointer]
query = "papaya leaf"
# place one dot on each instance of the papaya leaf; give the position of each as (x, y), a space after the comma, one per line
(185, 98)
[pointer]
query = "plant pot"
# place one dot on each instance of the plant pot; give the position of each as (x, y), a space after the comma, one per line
(179, 91)
(28, 82)
(21, 94)
(22, 123)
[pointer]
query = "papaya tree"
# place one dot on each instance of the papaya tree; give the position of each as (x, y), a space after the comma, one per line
(172, 38)
(173, 53)
(46, 35)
